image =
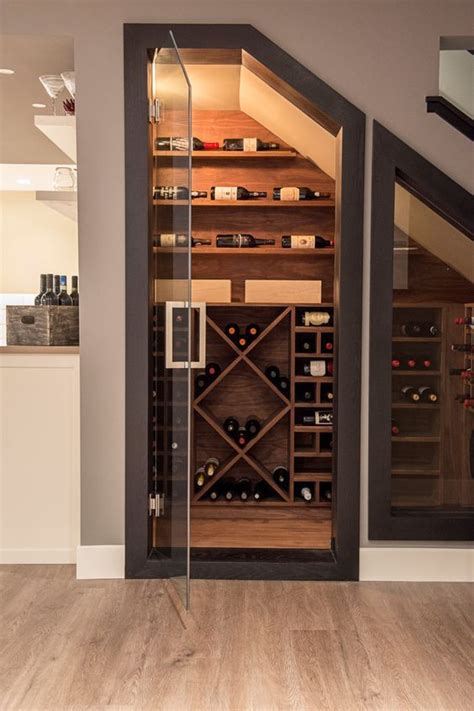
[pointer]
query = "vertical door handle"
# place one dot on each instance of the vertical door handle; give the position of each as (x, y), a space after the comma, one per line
(170, 360)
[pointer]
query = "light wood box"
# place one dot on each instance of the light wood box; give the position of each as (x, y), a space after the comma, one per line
(207, 290)
(42, 325)
(268, 291)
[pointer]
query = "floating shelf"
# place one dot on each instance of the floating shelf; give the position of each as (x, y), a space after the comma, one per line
(227, 155)
(64, 202)
(205, 202)
(61, 130)
(433, 473)
(416, 438)
(415, 339)
(418, 373)
(236, 251)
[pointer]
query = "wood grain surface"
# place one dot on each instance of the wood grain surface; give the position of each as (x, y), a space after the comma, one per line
(246, 646)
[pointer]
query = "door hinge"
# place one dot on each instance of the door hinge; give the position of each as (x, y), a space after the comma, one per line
(156, 505)
(155, 111)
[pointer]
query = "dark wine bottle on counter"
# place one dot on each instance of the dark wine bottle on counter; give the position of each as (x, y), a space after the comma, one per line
(231, 426)
(252, 330)
(64, 299)
(42, 290)
(408, 392)
(244, 488)
(304, 492)
(305, 242)
(228, 489)
(427, 394)
(213, 370)
(178, 240)
(211, 465)
(241, 240)
(463, 347)
(49, 297)
(235, 193)
(165, 143)
(248, 145)
(232, 330)
(290, 193)
(75, 291)
(176, 192)
(281, 476)
(201, 383)
(242, 436)
(273, 373)
(252, 426)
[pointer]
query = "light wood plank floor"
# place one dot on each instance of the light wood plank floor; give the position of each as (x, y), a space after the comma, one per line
(249, 646)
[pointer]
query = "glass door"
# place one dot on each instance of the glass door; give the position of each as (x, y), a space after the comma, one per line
(175, 326)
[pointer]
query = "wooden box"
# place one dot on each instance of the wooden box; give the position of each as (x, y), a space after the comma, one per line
(42, 325)
(283, 291)
(217, 291)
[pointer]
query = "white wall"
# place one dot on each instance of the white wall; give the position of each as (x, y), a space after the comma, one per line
(456, 78)
(383, 56)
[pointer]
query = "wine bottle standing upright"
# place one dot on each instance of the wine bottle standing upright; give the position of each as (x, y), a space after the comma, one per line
(75, 291)
(64, 298)
(49, 297)
(42, 290)
(57, 286)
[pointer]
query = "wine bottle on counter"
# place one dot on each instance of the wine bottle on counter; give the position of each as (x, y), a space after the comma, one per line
(281, 476)
(235, 193)
(64, 299)
(252, 330)
(427, 394)
(231, 426)
(42, 290)
(176, 192)
(213, 370)
(178, 240)
(232, 331)
(273, 373)
(75, 291)
(408, 392)
(49, 297)
(165, 143)
(291, 193)
(211, 465)
(395, 428)
(463, 347)
(228, 489)
(241, 240)
(248, 145)
(253, 427)
(315, 318)
(303, 491)
(57, 286)
(244, 488)
(200, 478)
(305, 242)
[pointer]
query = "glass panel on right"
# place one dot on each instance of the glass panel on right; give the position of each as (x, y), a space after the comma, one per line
(432, 355)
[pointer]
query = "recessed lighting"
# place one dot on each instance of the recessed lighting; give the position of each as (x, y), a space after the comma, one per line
(7, 71)
(39, 106)
(23, 181)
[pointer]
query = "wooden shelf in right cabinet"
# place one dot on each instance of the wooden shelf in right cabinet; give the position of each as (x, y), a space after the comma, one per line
(227, 155)
(248, 203)
(415, 339)
(257, 251)
(312, 379)
(415, 473)
(418, 373)
(415, 438)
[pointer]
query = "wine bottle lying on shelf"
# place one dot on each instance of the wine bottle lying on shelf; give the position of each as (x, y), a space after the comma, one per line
(305, 242)
(244, 488)
(313, 368)
(201, 382)
(242, 437)
(427, 394)
(395, 428)
(241, 240)
(304, 393)
(284, 385)
(281, 476)
(315, 318)
(231, 426)
(261, 491)
(325, 491)
(235, 193)
(420, 329)
(232, 331)
(327, 342)
(290, 193)
(250, 145)
(253, 427)
(178, 240)
(211, 466)
(200, 478)
(213, 370)
(176, 192)
(464, 373)
(252, 331)
(303, 491)
(174, 143)
(319, 417)
(465, 321)
(327, 394)
(408, 392)
(228, 489)
(463, 347)
(273, 373)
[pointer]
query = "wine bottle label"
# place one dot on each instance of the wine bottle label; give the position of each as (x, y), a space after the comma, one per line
(221, 193)
(316, 318)
(289, 193)
(179, 144)
(322, 417)
(167, 240)
(303, 241)
(250, 144)
(317, 368)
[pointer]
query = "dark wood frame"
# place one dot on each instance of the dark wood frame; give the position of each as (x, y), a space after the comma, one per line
(344, 120)
(394, 161)
(450, 113)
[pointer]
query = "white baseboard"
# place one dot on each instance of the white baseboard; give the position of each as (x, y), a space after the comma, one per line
(100, 562)
(417, 564)
(28, 556)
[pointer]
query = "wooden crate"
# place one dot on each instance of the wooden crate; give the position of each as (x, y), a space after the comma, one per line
(42, 325)
(208, 290)
(283, 291)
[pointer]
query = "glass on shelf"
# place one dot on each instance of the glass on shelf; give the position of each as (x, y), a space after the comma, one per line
(53, 84)
(69, 79)
(65, 179)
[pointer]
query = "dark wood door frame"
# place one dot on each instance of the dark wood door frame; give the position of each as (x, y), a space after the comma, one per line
(394, 161)
(347, 122)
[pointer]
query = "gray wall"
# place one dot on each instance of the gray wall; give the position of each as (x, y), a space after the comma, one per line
(381, 54)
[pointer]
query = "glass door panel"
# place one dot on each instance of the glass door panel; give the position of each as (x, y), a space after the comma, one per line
(173, 332)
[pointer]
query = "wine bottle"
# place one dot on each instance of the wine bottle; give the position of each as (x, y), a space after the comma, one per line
(200, 478)
(315, 318)
(64, 299)
(235, 193)
(319, 417)
(261, 490)
(305, 344)
(176, 192)
(281, 476)
(253, 427)
(395, 428)
(327, 343)
(42, 290)
(201, 383)
(299, 194)
(242, 342)
(325, 491)
(252, 330)
(304, 393)
(429, 329)
(329, 367)
(411, 329)
(213, 370)
(284, 385)
(74, 291)
(396, 363)
(463, 347)
(312, 368)
(463, 372)
(232, 330)
(228, 489)
(244, 488)
(57, 286)
(327, 394)
(427, 394)
(464, 321)
(248, 145)
(304, 492)
(165, 143)
(305, 242)
(425, 362)
(215, 492)
(242, 436)
(49, 297)
(231, 426)
(273, 373)
(409, 363)
(178, 240)
(241, 240)
(211, 465)
(408, 392)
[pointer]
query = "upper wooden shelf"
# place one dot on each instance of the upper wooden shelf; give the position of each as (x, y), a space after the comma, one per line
(235, 251)
(227, 155)
(203, 202)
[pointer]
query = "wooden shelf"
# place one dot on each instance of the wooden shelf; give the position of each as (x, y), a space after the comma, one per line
(313, 428)
(263, 203)
(417, 373)
(313, 379)
(430, 473)
(312, 454)
(236, 251)
(416, 438)
(228, 155)
(415, 339)
(312, 476)
(415, 405)
(313, 405)
(314, 329)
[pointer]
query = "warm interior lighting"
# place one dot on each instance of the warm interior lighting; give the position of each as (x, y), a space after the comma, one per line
(7, 71)
(23, 181)
(39, 106)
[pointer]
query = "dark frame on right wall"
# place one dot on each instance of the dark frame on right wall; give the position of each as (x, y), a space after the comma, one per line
(395, 162)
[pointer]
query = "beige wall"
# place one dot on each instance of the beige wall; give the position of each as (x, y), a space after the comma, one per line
(383, 56)
(34, 239)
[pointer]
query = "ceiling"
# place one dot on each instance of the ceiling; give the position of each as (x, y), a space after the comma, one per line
(30, 56)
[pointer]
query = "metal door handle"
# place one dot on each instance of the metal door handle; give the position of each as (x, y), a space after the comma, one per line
(170, 361)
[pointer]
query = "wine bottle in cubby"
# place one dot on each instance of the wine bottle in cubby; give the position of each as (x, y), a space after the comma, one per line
(408, 392)
(176, 143)
(248, 145)
(429, 329)
(305, 242)
(242, 341)
(427, 394)
(213, 370)
(176, 192)
(253, 427)
(241, 240)
(425, 362)
(325, 491)
(464, 373)
(231, 426)
(325, 442)
(284, 385)
(304, 393)
(232, 331)
(305, 343)
(242, 436)
(281, 476)
(228, 488)
(463, 347)
(215, 492)
(411, 329)
(261, 490)
(327, 394)
(211, 466)
(395, 428)
(315, 318)
(273, 373)
(319, 417)
(290, 193)
(327, 342)
(303, 491)
(252, 331)
(313, 368)
(235, 193)
(396, 363)
(464, 321)
(200, 478)
(244, 488)
(201, 382)
(42, 290)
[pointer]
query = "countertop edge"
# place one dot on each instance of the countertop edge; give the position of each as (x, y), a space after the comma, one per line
(38, 350)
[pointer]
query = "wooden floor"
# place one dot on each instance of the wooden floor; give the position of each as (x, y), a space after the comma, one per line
(249, 646)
